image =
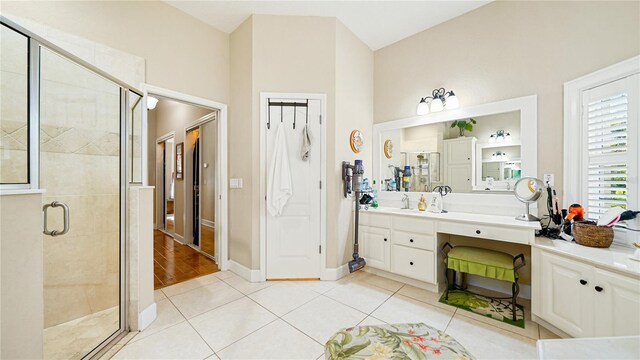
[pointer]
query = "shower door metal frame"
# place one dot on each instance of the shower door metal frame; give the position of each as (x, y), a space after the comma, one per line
(35, 44)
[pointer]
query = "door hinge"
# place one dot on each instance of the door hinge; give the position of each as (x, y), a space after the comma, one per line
(320, 119)
(320, 184)
(319, 249)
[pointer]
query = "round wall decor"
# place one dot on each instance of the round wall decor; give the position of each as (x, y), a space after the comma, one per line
(388, 148)
(356, 140)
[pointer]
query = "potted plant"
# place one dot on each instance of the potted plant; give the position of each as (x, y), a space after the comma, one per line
(463, 125)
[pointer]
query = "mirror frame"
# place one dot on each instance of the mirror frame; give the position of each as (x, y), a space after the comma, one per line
(527, 105)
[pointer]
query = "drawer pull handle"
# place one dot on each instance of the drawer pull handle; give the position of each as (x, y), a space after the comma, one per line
(599, 289)
(385, 239)
(410, 240)
(410, 262)
(583, 282)
(478, 232)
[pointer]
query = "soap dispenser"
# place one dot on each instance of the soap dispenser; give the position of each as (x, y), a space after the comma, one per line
(422, 204)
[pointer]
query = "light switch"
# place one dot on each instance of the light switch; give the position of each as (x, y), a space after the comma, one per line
(235, 183)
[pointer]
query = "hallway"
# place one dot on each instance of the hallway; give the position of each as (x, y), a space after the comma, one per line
(174, 263)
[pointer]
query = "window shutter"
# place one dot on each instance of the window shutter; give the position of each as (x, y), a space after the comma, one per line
(608, 154)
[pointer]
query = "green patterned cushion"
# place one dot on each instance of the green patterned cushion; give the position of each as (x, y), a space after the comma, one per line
(399, 341)
(483, 262)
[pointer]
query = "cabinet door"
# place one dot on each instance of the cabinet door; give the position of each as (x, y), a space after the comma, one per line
(566, 297)
(459, 178)
(459, 152)
(376, 247)
(617, 304)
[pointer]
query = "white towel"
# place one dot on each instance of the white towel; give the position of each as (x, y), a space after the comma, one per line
(306, 143)
(279, 187)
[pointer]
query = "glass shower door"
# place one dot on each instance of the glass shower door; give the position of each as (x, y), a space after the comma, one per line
(80, 168)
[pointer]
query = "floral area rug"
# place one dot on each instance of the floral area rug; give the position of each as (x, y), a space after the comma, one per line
(493, 308)
(399, 341)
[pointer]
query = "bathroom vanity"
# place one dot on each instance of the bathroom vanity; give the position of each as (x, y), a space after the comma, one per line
(406, 242)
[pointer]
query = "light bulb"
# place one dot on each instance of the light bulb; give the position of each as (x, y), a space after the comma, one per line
(151, 102)
(423, 107)
(507, 137)
(452, 101)
(492, 138)
(436, 105)
(493, 156)
(500, 138)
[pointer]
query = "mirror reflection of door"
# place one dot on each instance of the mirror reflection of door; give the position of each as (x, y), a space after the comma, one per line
(168, 184)
(202, 144)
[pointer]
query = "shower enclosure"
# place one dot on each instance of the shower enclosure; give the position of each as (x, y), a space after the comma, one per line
(70, 129)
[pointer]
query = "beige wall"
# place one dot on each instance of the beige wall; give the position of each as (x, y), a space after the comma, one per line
(241, 136)
(21, 296)
(181, 52)
(295, 55)
(354, 110)
(173, 116)
(509, 49)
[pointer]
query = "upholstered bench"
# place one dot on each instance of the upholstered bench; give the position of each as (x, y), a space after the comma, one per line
(399, 341)
(482, 262)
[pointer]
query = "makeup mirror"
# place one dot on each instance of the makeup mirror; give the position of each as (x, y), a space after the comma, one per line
(528, 190)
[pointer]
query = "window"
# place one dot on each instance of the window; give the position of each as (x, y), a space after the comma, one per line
(601, 142)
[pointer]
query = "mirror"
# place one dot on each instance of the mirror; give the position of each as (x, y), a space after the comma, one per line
(528, 190)
(478, 149)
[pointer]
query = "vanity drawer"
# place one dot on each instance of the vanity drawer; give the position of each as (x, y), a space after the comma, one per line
(377, 220)
(413, 225)
(485, 232)
(419, 241)
(414, 263)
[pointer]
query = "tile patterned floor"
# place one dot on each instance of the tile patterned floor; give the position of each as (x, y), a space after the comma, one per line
(224, 316)
(174, 263)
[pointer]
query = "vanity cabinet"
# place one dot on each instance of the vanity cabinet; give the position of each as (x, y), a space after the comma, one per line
(400, 245)
(584, 300)
(459, 161)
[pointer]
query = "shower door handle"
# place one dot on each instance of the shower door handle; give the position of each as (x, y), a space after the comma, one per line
(65, 214)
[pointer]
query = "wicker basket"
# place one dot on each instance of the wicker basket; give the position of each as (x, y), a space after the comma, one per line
(592, 235)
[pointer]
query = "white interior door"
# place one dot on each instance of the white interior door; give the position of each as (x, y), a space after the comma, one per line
(293, 238)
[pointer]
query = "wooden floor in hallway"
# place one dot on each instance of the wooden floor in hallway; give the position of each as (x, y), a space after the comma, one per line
(174, 262)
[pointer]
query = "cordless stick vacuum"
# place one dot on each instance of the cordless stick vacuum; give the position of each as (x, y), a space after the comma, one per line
(352, 177)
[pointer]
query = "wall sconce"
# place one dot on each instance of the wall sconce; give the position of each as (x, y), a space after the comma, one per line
(440, 99)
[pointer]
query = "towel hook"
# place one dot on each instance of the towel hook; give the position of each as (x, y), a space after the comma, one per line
(294, 115)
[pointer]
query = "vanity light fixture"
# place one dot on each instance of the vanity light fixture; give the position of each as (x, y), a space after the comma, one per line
(440, 100)
(500, 136)
(151, 102)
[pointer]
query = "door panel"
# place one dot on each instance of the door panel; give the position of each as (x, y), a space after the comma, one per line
(376, 246)
(566, 302)
(293, 238)
(80, 167)
(618, 303)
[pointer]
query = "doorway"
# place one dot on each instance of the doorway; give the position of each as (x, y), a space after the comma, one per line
(178, 254)
(292, 234)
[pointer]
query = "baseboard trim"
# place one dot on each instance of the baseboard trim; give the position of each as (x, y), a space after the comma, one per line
(179, 239)
(245, 272)
(549, 327)
(208, 223)
(335, 273)
(147, 316)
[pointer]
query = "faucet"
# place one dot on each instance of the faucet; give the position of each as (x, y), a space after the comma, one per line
(405, 201)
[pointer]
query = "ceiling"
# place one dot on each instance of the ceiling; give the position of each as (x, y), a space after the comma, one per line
(376, 23)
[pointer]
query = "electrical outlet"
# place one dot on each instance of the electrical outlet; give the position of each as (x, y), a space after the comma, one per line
(548, 179)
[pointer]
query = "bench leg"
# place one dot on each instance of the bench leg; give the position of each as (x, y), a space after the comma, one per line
(515, 289)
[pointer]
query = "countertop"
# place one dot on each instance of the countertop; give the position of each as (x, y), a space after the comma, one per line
(622, 347)
(615, 257)
(497, 220)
